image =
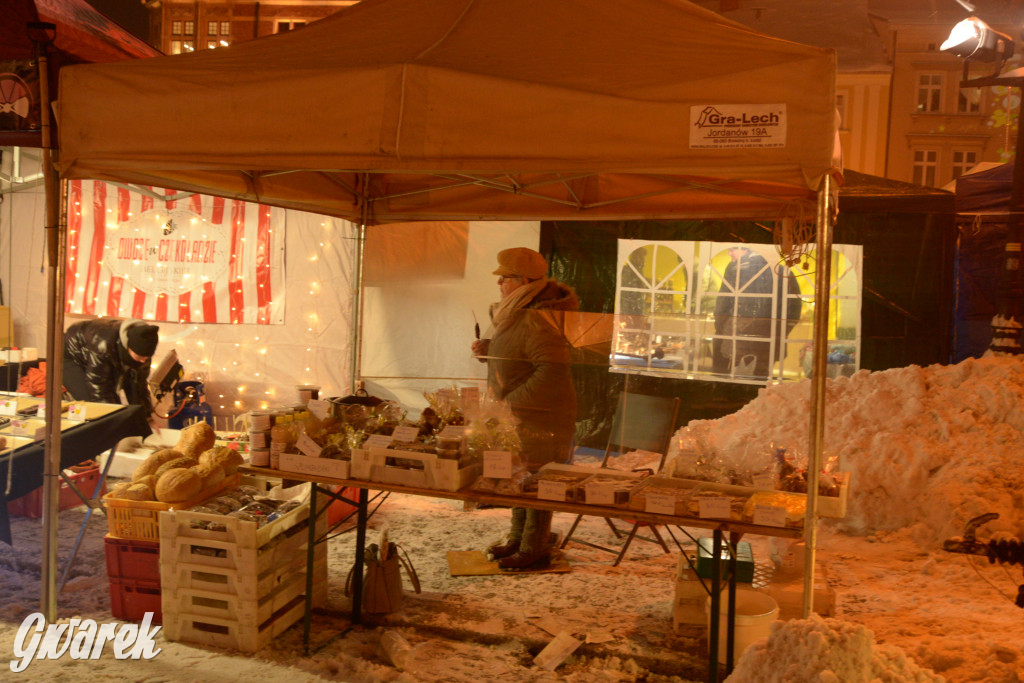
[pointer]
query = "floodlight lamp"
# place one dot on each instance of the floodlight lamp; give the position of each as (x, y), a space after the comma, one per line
(973, 39)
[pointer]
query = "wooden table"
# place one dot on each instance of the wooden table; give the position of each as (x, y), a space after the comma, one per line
(719, 528)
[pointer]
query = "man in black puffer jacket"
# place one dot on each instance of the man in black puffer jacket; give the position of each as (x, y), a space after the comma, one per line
(105, 356)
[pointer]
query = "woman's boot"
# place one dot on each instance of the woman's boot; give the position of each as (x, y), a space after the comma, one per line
(534, 549)
(511, 544)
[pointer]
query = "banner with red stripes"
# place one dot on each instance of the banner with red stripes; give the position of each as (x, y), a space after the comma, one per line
(164, 256)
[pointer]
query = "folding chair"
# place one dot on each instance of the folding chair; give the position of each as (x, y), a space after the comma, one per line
(641, 422)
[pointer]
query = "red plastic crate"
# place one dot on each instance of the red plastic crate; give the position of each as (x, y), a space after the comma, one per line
(132, 560)
(31, 504)
(130, 600)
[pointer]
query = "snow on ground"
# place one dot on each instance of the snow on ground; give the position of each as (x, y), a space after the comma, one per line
(928, 448)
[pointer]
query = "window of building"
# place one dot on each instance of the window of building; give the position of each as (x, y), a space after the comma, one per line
(211, 44)
(176, 28)
(963, 161)
(211, 28)
(926, 163)
(175, 47)
(190, 28)
(225, 28)
(929, 92)
(189, 46)
(689, 310)
(968, 101)
(285, 26)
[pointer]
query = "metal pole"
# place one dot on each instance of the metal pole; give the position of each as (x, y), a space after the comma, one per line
(357, 288)
(816, 439)
(42, 36)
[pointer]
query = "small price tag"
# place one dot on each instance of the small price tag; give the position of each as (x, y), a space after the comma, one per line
(76, 411)
(377, 441)
(307, 446)
(318, 408)
(660, 503)
(769, 515)
(453, 432)
(551, 490)
(405, 434)
(470, 396)
(21, 428)
(600, 493)
(9, 406)
(498, 464)
(764, 480)
(717, 507)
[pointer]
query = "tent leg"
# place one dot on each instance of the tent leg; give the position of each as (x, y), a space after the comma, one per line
(42, 36)
(816, 437)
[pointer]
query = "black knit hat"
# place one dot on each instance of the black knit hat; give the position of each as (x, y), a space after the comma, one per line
(142, 339)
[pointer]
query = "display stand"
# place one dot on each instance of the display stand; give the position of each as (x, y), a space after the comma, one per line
(718, 527)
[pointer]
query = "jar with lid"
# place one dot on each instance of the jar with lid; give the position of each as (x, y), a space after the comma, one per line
(282, 438)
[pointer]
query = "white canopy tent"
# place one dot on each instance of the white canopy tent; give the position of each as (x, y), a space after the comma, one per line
(396, 111)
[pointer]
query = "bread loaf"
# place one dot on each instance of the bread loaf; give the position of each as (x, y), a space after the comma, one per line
(177, 485)
(195, 439)
(117, 491)
(138, 492)
(151, 464)
(173, 465)
(223, 456)
(210, 474)
(149, 480)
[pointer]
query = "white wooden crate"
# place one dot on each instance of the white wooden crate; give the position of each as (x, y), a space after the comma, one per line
(182, 576)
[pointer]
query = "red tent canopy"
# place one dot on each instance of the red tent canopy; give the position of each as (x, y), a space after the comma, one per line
(83, 36)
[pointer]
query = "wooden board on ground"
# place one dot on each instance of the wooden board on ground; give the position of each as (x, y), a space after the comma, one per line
(475, 563)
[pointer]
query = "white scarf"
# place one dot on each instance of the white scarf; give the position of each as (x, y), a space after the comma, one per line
(513, 302)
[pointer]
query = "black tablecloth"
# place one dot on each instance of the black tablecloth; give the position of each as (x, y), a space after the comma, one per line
(77, 444)
(11, 373)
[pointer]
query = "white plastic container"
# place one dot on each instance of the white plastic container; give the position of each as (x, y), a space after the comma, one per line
(755, 612)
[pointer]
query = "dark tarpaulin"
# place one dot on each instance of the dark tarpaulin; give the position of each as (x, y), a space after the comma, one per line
(984, 191)
(908, 234)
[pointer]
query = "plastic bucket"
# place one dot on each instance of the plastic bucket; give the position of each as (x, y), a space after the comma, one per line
(755, 612)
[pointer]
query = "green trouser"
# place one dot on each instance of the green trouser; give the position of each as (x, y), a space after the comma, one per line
(536, 531)
(510, 545)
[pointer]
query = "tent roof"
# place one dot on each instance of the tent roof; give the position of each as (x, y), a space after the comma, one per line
(83, 34)
(397, 110)
(986, 191)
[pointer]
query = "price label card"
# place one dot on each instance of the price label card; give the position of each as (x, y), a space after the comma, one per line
(21, 428)
(764, 480)
(405, 434)
(318, 408)
(600, 493)
(377, 441)
(716, 507)
(470, 396)
(551, 490)
(8, 406)
(453, 432)
(769, 515)
(660, 503)
(307, 446)
(498, 464)
(76, 411)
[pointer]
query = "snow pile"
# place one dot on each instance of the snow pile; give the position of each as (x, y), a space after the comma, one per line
(927, 448)
(819, 650)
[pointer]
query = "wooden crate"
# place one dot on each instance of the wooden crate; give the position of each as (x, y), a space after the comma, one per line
(431, 472)
(323, 467)
(230, 633)
(243, 583)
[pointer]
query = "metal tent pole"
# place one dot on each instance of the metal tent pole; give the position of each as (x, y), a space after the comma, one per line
(357, 288)
(42, 35)
(816, 440)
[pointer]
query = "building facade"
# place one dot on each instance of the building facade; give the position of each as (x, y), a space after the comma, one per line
(178, 26)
